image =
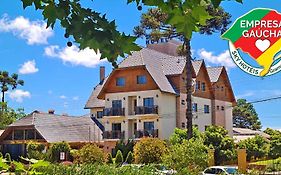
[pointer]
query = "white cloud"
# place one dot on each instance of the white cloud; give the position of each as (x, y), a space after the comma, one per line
(75, 98)
(223, 59)
(74, 56)
(63, 97)
(18, 95)
(28, 67)
(35, 32)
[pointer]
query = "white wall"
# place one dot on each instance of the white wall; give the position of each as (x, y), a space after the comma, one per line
(166, 111)
(200, 118)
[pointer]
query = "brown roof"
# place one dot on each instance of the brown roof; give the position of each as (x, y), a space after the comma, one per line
(56, 128)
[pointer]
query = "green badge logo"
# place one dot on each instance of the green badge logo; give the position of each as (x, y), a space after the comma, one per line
(258, 34)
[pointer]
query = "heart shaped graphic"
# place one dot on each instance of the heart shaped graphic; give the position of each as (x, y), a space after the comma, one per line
(262, 45)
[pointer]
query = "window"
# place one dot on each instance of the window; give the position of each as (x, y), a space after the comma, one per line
(197, 85)
(194, 107)
(29, 134)
(222, 108)
(148, 102)
(218, 108)
(116, 104)
(183, 125)
(203, 86)
(222, 88)
(99, 114)
(148, 128)
(120, 81)
(206, 109)
(141, 79)
(18, 135)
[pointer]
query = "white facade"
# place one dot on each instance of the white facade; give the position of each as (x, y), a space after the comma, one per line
(164, 121)
(202, 118)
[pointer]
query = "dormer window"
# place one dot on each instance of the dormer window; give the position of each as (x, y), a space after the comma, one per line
(141, 79)
(120, 81)
(198, 85)
(203, 86)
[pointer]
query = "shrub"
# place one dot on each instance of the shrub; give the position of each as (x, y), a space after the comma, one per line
(1, 155)
(56, 149)
(179, 135)
(149, 150)
(129, 158)
(216, 137)
(110, 159)
(89, 154)
(256, 147)
(191, 154)
(35, 150)
(8, 157)
(119, 158)
(124, 147)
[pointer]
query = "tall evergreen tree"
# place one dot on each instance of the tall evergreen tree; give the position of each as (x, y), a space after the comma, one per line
(155, 28)
(245, 115)
(7, 81)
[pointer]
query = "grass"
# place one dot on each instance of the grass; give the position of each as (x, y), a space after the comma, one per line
(266, 162)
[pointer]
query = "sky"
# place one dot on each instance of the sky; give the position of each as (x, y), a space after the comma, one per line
(61, 78)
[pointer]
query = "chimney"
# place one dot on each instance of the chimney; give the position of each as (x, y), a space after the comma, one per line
(102, 74)
(51, 111)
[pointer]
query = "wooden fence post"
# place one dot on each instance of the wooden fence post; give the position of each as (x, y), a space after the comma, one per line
(242, 161)
(211, 157)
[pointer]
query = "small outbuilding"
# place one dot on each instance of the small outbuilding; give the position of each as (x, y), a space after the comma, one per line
(48, 128)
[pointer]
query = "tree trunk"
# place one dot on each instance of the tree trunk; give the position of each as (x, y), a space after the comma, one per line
(188, 66)
(3, 98)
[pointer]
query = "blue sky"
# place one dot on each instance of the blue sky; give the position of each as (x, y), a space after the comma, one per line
(61, 78)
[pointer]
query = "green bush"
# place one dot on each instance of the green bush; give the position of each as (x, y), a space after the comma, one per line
(119, 158)
(179, 135)
(89, 154)
(8, 157)
(191, 154)
(91, 169)
(35, 150)
(110, 159)
(149, 150)
(124, 147)
(56, 149)
(1, 155)
(256, 147)
(216, 137)
(129, 158)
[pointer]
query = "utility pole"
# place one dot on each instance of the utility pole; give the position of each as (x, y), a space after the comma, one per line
(188, 82)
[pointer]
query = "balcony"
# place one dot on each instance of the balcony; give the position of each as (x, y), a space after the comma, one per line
(114, 112)
(146, 110)
(146, 133)
(113, 135)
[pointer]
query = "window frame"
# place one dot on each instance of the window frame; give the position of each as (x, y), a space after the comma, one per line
(141, 79)
(206, 109)
(120, 83)
(203, 86)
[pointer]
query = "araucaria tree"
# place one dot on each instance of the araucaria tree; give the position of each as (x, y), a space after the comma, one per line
(163, 23)
(7, 82)
(245, 115)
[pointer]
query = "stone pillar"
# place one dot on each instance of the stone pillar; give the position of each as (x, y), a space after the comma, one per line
(242, 161)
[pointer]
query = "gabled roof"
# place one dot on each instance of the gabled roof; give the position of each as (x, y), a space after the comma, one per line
(197, 65)
(56, 128)
(93, 101)
(214, 73)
